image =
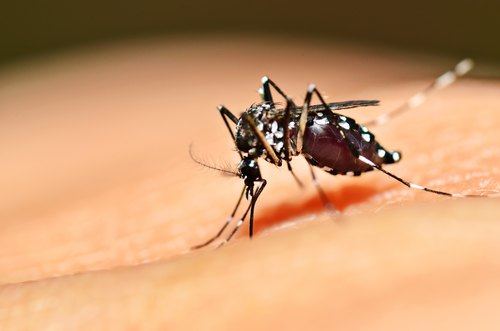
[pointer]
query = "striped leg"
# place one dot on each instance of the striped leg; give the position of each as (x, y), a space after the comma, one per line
(411, 185)
(208, 242)
(441, 82)
(266, 95)
(363, 159)
(254, 196)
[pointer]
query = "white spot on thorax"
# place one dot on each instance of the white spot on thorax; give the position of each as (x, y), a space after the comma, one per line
(274, 126)
(270, 138)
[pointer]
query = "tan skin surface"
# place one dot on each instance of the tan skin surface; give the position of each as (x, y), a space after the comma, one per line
(98, 187)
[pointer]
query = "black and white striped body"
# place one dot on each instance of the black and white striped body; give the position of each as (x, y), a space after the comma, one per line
(328, 140)
(324, 145)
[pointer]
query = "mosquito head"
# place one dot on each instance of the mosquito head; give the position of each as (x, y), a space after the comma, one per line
(249, 171)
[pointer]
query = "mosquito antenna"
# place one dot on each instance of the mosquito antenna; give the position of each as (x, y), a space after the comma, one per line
(442, 81)
(226, 171)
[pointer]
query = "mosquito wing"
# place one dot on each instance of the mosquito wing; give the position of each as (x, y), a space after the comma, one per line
(343, 105)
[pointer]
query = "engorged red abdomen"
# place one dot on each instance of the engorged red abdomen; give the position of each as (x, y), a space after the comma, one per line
(325, 144)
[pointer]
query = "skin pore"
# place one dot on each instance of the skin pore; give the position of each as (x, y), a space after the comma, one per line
(101, 201)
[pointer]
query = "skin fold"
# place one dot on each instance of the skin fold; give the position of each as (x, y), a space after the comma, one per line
(100, 200)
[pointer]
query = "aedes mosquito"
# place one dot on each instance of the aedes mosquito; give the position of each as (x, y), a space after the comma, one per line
(330, 141)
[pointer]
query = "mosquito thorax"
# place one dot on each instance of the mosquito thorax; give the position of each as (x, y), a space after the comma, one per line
(268, 121)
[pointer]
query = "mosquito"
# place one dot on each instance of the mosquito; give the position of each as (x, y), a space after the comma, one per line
(328, 140)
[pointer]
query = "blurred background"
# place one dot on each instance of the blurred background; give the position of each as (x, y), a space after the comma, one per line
(94, 137)
(450, 28)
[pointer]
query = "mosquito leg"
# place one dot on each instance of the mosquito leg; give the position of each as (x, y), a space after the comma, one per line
(266, 92)
(250, 208)
(312, 89)
(303, 118)
(378, 167)
(302, 125)
(363, 159)
(263, 141)
(288, 142)
(225, 225)
(286, 129)
(441, 82)
(305, 111)
(330, 209)
(290, 105)
(225, 113)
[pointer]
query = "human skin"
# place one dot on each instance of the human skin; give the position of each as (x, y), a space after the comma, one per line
(100, 201)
